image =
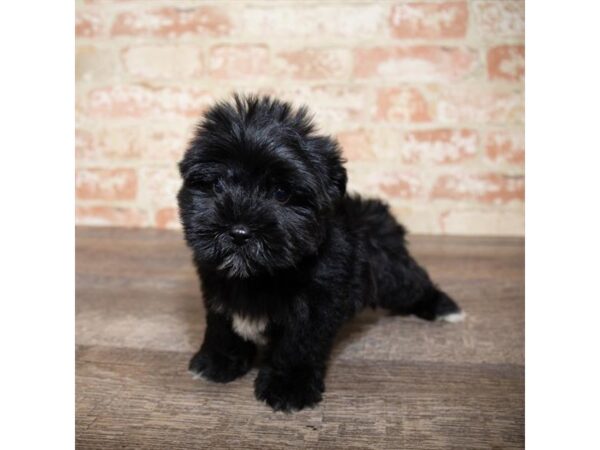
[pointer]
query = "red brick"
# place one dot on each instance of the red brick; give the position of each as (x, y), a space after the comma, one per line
(238, 61)
(376, 181)
(505, 146)
(106, 184)
(167, 218)
(173, 22)
(138, 101)
(306, 20)
(506, 62)
(110, 216)
(502, 19)
(400, 185)
(422, 63)
(402, 104)
(484, 188)
(88, 24)
(429, 20)
(439, 146)
(482, 105)
(313, 63)
(163, 61)
(356, 145)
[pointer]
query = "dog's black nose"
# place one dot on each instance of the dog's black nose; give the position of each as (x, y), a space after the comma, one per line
(240, 234)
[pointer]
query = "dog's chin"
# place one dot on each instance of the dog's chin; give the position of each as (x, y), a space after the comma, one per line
(236, 266)
(241, 265)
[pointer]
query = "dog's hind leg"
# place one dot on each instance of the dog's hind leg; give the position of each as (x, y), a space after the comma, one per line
(405, 288)
(402, 285)
(412, 292)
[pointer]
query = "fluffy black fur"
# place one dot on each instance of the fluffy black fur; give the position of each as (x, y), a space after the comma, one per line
(284, 254)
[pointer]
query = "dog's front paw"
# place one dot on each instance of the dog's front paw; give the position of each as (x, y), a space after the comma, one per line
(219, 367)
(289, 390)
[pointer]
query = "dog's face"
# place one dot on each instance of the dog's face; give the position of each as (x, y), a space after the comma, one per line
(258, 184)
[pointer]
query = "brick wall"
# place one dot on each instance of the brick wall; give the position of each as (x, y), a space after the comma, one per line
(426, 98)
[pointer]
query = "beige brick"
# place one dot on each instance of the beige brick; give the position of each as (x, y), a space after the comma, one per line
(420, 64)
(490, 188)
(486, 222)
(106, 184)
(500, 19)
(165, 144)
(141, 101)
(313, 63)
(159, 186)
(107, 144)
(95, 64)
(238, 61)
(429, 20)
(313, 21)
(331, 104)
(388, 142)
(163, 61)
(417, 219)
(157, 143)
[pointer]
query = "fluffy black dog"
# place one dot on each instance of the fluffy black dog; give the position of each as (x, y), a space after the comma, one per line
(284, 255)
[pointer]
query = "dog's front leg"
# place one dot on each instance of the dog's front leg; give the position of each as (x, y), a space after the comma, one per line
(293, 375)
(224, 355)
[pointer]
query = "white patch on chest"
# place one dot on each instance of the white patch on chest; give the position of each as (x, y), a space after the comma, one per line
(250, 328)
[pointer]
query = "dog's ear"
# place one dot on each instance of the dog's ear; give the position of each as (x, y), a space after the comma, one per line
(187, 163)
(337, 174)
(330, 160)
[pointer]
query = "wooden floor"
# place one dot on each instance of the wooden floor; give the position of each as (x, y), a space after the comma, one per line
(394, 383)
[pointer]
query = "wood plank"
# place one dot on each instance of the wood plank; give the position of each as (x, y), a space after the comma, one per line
(393, 382)
(144, 399)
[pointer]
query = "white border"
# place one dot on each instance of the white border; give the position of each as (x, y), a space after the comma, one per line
(36, 175)
(562, 225)
(562, 228)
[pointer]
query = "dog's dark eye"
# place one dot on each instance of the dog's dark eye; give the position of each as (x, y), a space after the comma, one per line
(281, 195)
(196, 184)
(218, 186)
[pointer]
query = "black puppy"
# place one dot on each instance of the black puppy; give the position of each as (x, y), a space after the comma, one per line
(284, 255)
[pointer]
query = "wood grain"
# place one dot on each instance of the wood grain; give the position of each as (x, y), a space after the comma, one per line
(392, 383)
